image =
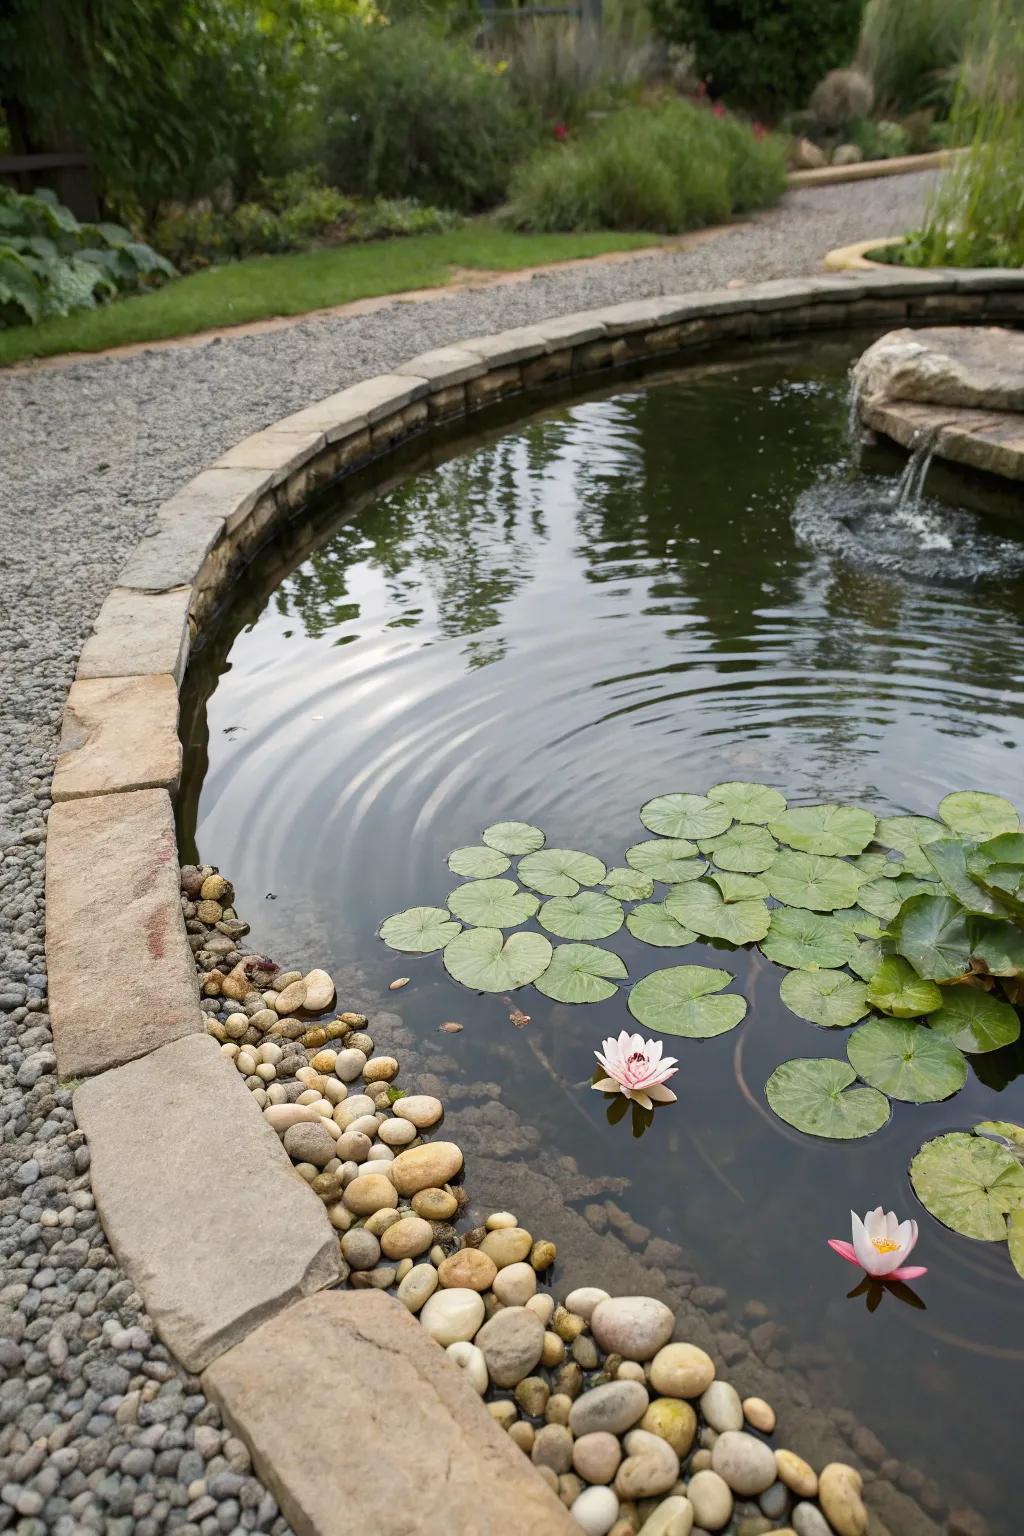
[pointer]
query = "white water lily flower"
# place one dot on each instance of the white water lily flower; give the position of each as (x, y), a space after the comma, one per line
(636, 1068)
(880, 1245)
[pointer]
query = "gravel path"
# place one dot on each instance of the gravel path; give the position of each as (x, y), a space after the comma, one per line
(99, 1430)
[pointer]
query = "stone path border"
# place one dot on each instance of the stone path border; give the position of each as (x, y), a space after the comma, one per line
(196, 1193)
(867, 170)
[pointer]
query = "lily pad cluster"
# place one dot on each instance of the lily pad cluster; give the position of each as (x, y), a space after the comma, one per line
(974, 1183)
(906, 927)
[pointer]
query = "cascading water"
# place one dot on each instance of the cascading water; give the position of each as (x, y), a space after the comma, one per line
(909, 491)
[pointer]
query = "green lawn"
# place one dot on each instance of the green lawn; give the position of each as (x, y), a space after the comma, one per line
(292, 285)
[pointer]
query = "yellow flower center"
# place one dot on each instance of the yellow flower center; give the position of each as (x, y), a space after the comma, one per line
(884, 1245)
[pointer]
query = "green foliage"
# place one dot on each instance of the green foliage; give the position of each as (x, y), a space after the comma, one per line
(763, 54)
(881, 140)
(668, 167)
(407, 111)
(561, 68)
(912, 50)
(51, 264)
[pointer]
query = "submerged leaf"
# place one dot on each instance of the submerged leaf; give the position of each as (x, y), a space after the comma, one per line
(627, 884)
(906, 1061)
(969, 1184)
(754, 803)
(668, 859)
(896, 988)
(931, 932)
(813, 881)
(973, 813)
(829, 998)
(685, 816)
(745, 849)
(513, 837)
(483, 959)
(702, 907)
(826, 829)
(815, 1096)
(808, 941)
(560, 871)
(975, 1021)
(652, 923)
(590, 915)
(478, 863)
(682, 1000)
(581, 973)
(492, 903)
(419, 930)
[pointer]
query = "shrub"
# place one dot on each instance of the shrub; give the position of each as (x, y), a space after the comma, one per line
(879, 141)
(669, 167)
(913, 48)
(843, 97)
(408, 112)
(763, 54)
(50, 263)
(561, 69)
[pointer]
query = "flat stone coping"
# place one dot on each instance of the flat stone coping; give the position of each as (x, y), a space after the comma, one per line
(991, 441)
(230, 1249)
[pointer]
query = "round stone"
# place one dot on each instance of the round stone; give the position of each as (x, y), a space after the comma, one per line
(651, 1467)
(595, 1511)
(673, 1517)
(635, 1327)
(426, 1167)
(421, 1109)
(360, 1249)
(435, 1204)
(468, 1268)
(281, 1116)
(507, 1245)
(558, 1409)
(472, 1363)
(839, 1494)
(512, 1342)
(760, 1414)
(452, 1315)
(308, 1142)
(614, 1407)
(552, 1447)
(674, 1421)
(523, 1434)
(774, 1501)
(596, 1456)
(553, 1352)
(380, 1069)
(542, 1255)
(798, 1475)
(543, 1306)
(721, 1407)
(711, 1500)
(515, 1284)
(370, 1192)
(499, 1219)
(291, 998)
(419, 1284)
(349, 1064)
(319, 991)
(396, 1133)
(682, 1370)
(747, 1465)
(808, 1520)
(408, 1238)
(353, 1108)
(352, 1147)
(584, 1300)
(532, 1395)
(381, 1220)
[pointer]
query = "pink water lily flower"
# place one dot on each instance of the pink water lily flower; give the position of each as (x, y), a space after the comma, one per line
(636, 1069)
(880, 1245)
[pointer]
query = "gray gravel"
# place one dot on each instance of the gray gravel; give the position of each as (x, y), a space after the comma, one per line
(99, 1430)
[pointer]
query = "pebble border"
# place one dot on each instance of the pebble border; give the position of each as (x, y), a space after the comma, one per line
(111, 828)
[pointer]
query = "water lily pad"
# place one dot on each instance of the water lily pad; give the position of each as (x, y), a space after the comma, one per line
(829, 998)
(513, 837)
(651, 923)
(878, 866)
(973, 813)
(866, 959)
(560, 871)
(581, 973)
(744, 849)
(825, 829)
(883, 898)
(685, 816)
(590, 915)
(419, 930)
(909, 835)
(754, 803)
(896, 988)
(998, 866)
(931, 932)
(815, 1096)
(492, 903)
(628, 884)
(947, 858)
(975, 1021)
(969, 1184)
(1008, 1130)
(483, 959)
(702, 907)
(686, 1000)
(996, 947)
(810, 880)
(906, 1061)
(740, 887)
(808, 941)
(1015, 1239)
(864, 923)
(668, 859)
(478, 862)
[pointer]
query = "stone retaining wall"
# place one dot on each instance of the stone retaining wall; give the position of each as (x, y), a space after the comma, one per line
(195, 1191)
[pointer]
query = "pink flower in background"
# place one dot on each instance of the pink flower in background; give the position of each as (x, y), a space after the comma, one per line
(719, 109)
(635, 1068)
(561, 131)
(880, 1245)
(702, 87)
(760, 131)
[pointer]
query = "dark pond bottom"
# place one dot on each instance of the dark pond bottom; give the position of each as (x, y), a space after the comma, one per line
(649, 591)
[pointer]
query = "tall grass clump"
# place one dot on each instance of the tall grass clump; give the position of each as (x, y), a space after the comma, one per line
(975, 218)
(668, 167)
(912, 50)
(561, 68)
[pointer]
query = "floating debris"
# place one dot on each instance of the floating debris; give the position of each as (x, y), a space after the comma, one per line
(449, 1027)
(395, 986)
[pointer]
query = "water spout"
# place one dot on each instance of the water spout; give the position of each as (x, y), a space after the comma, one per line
(910, 486)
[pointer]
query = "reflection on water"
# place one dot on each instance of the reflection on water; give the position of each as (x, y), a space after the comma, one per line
(605, 603)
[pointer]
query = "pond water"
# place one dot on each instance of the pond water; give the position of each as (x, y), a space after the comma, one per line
(679, 582)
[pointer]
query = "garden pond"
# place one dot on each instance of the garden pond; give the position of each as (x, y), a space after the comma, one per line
(677, 581)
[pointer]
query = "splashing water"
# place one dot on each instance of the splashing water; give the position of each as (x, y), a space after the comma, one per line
(910, 486)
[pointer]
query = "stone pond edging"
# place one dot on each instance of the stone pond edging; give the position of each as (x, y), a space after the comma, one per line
(232, 1253)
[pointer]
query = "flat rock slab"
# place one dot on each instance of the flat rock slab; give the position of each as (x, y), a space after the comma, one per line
(137, 633)
(199, 1199)
(119, 733)
(975, 367)
(121, 976)
(992, 441)
(358, 1422)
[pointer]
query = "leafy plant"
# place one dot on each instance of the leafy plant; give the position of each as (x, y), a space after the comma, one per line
(561, 68)
(51, 264)
(911, 49)
(668, 166)
(975, 1184)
